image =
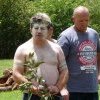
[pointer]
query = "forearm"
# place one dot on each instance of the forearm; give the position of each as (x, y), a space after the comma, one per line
(63, 78)
(19, 78)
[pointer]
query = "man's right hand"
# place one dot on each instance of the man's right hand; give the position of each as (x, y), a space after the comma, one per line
(34, 89)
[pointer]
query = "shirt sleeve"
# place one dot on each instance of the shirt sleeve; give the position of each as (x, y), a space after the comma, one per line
(64, 42)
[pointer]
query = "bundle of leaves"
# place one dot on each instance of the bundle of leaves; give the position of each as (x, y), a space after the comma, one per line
(31, 74)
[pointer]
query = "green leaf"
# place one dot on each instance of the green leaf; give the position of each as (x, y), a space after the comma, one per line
(37, 64)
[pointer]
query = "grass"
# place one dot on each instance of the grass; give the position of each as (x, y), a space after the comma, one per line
(5, 64)
(11, 95)
(8, 95)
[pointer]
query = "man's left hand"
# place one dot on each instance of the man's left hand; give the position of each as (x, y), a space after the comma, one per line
(53, 89)
(99, 78)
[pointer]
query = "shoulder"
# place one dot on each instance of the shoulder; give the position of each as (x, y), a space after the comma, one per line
(67, 31)
(23, 47)
(67, 35)
(54, 40)
(55, 46)
(92, 30)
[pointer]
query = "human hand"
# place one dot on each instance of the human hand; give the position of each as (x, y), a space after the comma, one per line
(99, 78)
(53, 89)
(33, 89)
(65, 94)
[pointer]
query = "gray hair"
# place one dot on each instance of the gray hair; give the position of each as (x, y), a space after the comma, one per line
(80, 9)
(40, 18)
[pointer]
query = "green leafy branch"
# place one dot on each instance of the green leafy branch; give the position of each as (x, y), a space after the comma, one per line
(31, 67)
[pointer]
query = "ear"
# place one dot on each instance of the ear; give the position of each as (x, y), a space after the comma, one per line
(51, 28)
(51, 31)
(72, 18)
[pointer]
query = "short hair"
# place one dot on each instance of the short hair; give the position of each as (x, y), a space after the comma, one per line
(41, 18)
(79, 9)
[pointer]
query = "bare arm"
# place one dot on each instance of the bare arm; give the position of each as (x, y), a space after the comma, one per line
(63, 70)
(63, 73)
(18, 75)
(63, 78)
(18, 68)
(58, 87)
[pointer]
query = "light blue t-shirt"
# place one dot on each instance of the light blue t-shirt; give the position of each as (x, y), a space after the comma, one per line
(80, 51)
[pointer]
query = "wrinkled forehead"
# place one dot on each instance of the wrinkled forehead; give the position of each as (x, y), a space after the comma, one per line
(41, 25)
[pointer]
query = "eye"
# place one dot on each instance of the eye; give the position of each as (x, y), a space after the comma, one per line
(86, 20)
(42, 28)
(81, 21)
(36, 28)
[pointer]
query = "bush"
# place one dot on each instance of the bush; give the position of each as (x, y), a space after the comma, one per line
(94, 7)
(13, 26)
(15, 15)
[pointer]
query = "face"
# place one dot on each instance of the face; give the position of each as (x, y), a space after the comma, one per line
(81, 21)
(39, 31)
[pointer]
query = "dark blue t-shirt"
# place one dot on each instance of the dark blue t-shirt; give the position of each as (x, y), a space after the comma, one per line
(80, 51)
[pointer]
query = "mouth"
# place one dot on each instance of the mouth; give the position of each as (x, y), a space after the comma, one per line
(39, 35)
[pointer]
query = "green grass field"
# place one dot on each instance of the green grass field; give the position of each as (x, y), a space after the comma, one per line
(10, 95)
(5, 64)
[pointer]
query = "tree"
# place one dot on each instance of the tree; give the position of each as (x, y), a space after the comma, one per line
(15, 15)
(13, 25)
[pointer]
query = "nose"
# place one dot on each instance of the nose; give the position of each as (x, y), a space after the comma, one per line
(39, 30)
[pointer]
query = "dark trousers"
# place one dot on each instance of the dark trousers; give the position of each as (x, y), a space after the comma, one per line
(83, 96)
(35, 97)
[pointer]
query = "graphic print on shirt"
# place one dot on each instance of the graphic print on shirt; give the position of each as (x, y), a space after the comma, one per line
(87, 56)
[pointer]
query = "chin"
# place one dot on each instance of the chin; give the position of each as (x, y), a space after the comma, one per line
(83, 29)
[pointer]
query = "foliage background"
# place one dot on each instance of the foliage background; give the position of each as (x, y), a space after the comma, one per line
(15, 15)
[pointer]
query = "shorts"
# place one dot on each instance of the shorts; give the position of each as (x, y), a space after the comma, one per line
(83, 96)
